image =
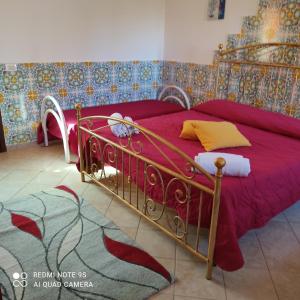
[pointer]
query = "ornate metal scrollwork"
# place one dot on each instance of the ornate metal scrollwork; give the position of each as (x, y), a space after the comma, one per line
(189, 168)
(135, 146)
(89, 124)
(180, 227)
(94, 152)
(138, 149)
(182, 197)
(153, 178)
(111, 153)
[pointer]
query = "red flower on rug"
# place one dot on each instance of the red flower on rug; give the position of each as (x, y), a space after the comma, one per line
(135, 255)
(68, 190)
(26, 224)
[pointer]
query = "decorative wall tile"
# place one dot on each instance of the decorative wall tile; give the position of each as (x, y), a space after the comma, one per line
(102, 98)
(46, 77)
(147, 93)
(181, 74)
(88, 83)
(275, 90)
(278, 16)
(124, 73)
(197, 80)
(101, 75)
(251, 24)
(13, 81)
(124, 96)
(75, 77)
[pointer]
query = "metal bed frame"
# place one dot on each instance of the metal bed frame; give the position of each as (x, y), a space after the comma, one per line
(129, 152)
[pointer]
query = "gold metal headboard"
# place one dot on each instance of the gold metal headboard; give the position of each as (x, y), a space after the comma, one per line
(268, 78)
(263, 51)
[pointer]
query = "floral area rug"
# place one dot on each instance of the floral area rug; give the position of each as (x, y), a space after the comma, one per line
(54, 245)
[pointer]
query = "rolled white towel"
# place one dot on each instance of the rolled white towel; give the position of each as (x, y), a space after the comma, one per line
(113, 122)
(132, 129)
(215, 155)
(115, 126)
(236, 165)
(121, 130)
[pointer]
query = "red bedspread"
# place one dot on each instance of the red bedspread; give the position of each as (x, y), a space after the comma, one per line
(246, 203)
(137, 110)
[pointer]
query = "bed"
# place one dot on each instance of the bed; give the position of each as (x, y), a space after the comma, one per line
(154, 172)
(61, 124)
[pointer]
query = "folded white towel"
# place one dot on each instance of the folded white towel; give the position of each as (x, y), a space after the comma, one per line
(236, 165)
(121, 130)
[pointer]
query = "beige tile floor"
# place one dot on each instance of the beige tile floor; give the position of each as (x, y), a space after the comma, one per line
(272, 254)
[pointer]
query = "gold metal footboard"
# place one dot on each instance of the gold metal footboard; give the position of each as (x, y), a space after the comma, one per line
(162, 192)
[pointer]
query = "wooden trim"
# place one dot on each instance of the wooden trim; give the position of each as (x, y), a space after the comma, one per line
(2, 138)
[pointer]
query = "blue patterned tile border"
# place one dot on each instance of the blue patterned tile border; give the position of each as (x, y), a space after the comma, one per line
(240, 83)
(91, 83)
(198, 81)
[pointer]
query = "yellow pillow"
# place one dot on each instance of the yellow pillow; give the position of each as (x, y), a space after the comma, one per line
(187, 131)
(216, 135)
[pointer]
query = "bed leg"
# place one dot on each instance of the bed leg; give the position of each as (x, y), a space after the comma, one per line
(65, 139)
(82, 177)
(219, 163)
(46, 143)
(66, 150)
(209, 270)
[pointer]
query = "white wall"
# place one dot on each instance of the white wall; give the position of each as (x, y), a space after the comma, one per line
(80, 30)
(100, 30)
(191, 37)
